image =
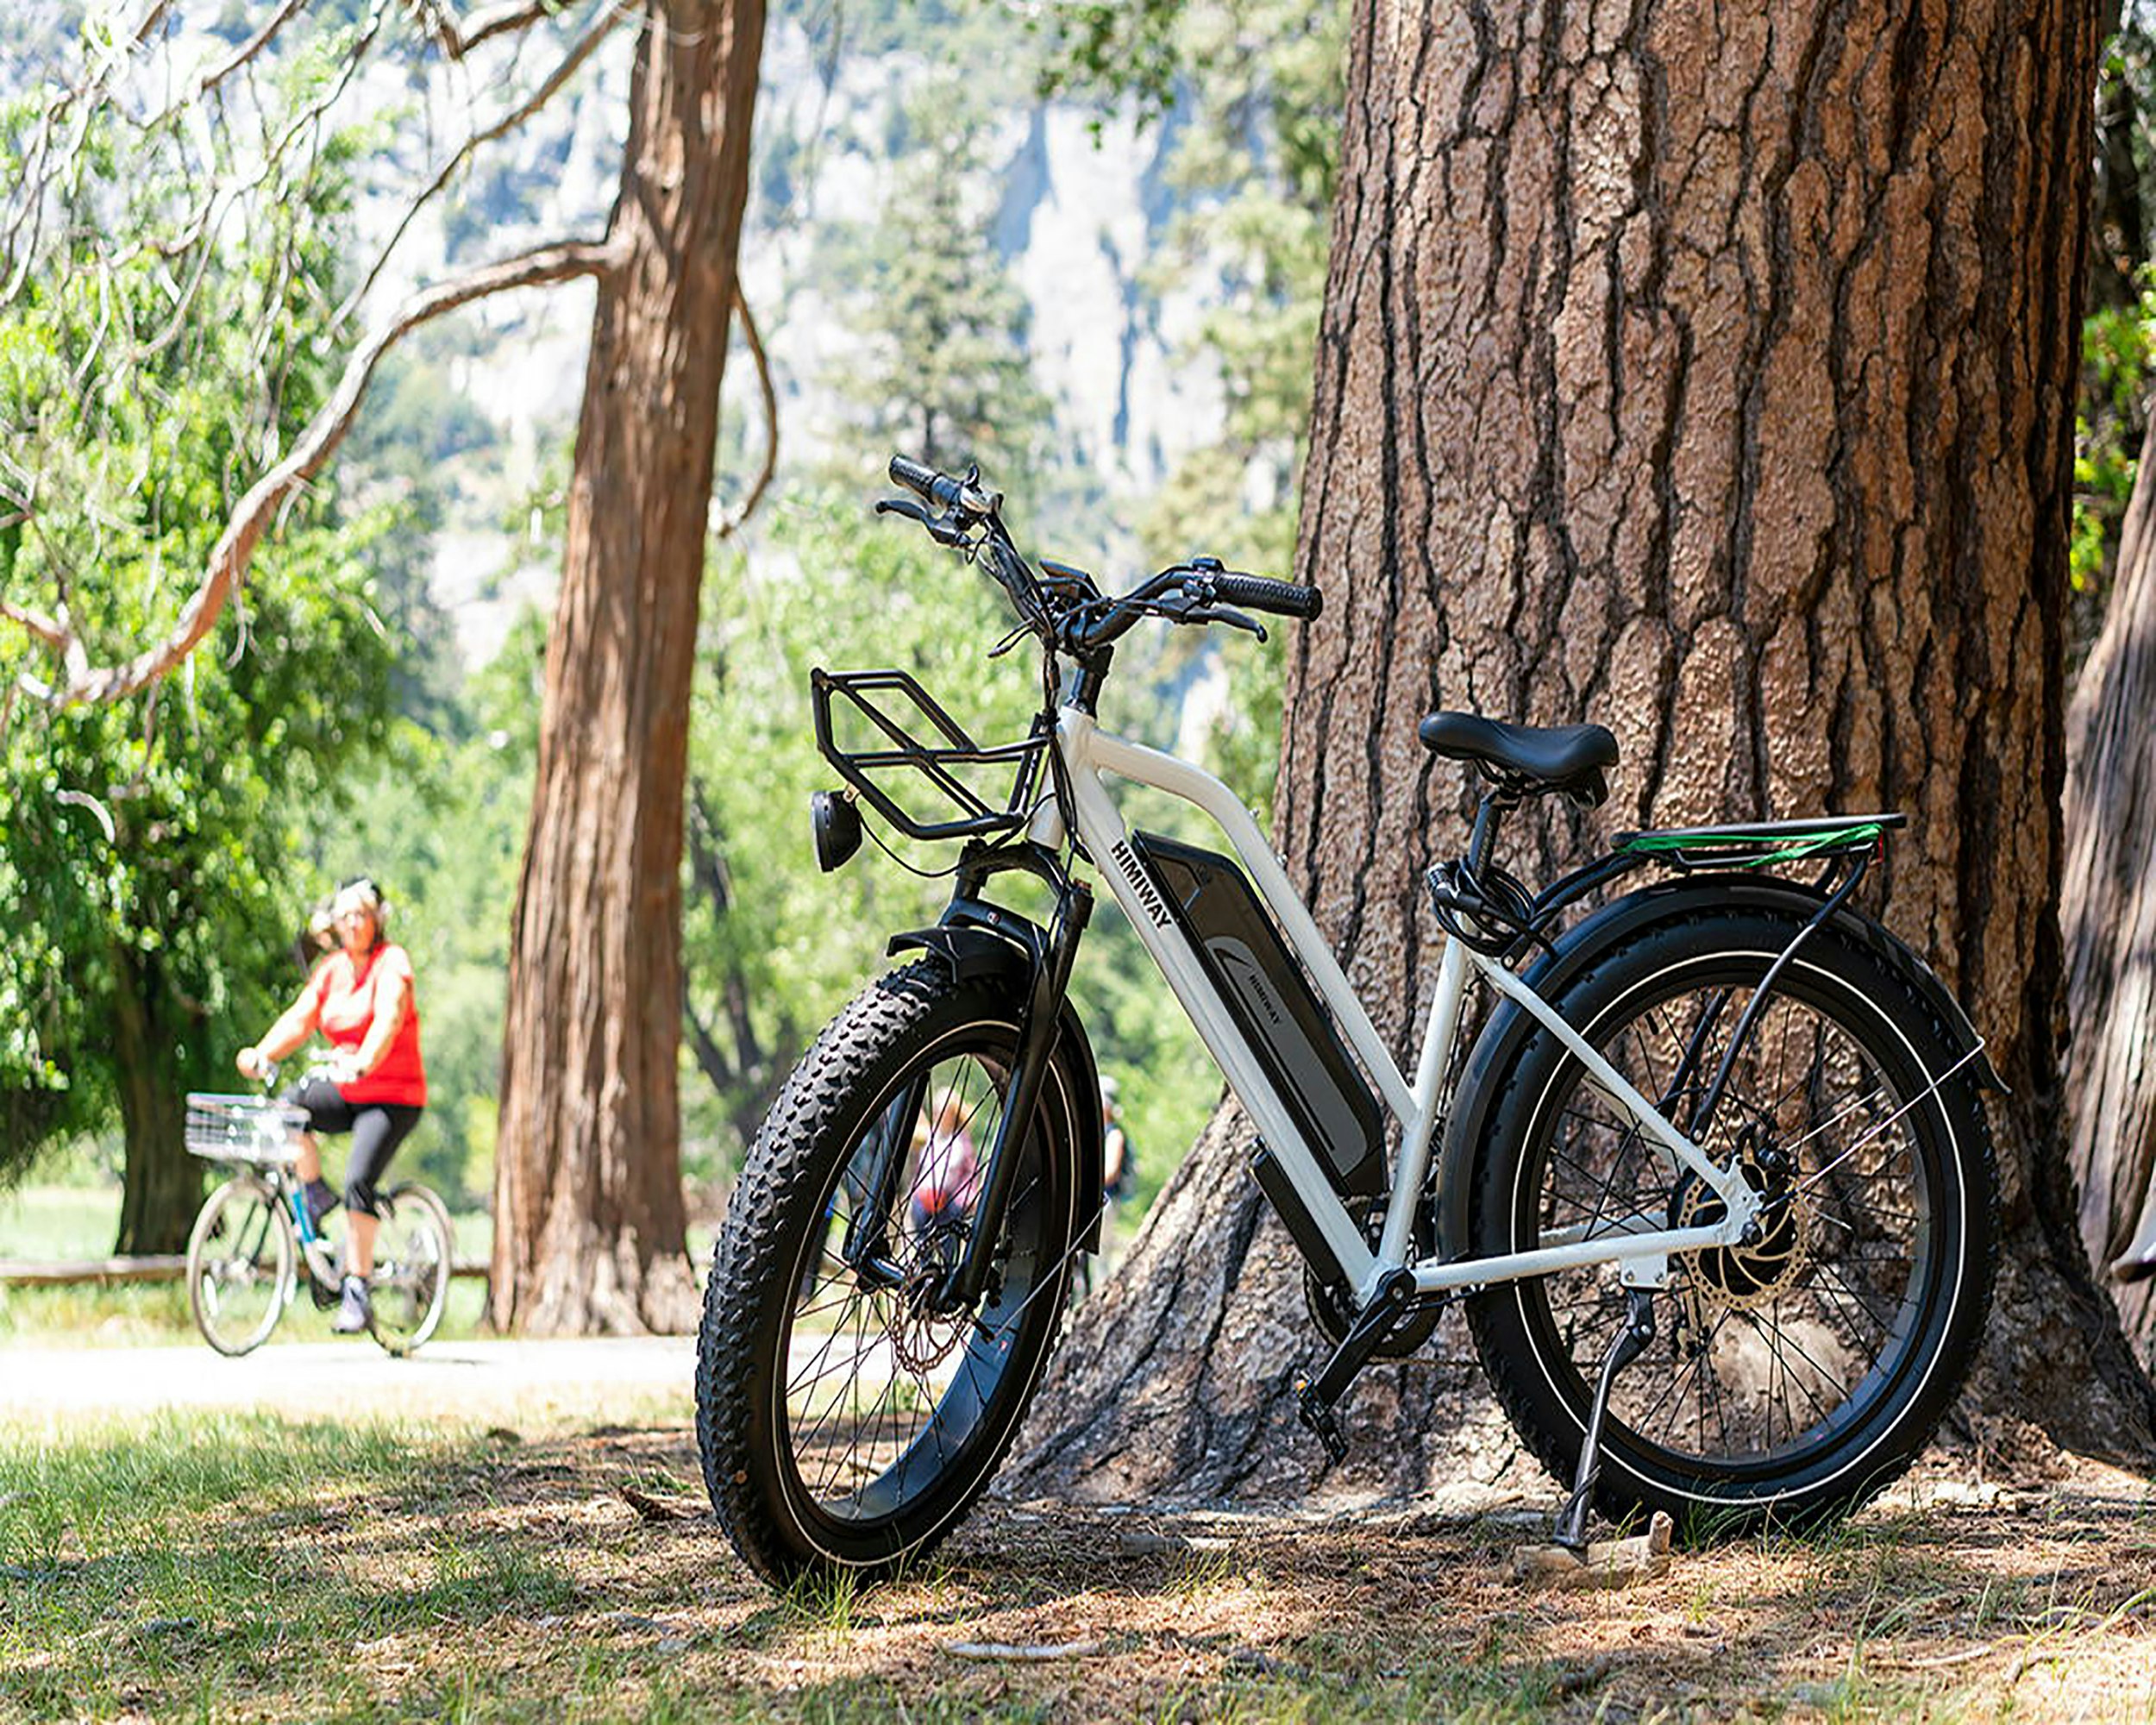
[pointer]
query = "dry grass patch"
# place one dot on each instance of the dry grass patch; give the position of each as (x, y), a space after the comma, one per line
(255, 1568)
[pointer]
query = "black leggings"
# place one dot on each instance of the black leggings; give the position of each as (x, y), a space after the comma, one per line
(377, 1129)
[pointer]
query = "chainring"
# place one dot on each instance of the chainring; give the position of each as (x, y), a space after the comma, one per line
(1332, 1308)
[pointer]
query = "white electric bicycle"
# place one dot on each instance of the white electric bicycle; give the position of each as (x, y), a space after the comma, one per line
(1727, 1097)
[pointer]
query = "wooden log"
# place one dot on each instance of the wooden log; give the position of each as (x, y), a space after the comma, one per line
(1609, 1563)
(112, 1271)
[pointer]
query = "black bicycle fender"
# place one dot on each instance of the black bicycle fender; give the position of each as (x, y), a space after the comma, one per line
(974, 941)
(1510, 1026)
(968, 951)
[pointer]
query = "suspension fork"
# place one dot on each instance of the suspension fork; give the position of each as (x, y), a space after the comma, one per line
(868, 1243)
(1037, 1043)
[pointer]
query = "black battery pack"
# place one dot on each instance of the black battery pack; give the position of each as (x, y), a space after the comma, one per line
(1278, 1012)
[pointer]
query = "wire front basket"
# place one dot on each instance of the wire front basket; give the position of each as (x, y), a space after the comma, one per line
(944, 772)
(241, 1128)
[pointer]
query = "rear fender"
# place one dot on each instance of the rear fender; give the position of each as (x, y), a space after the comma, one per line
(1510, 1026)
(976, 940)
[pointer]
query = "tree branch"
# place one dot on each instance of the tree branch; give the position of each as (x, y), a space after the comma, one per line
(49, 629)
(587, 45)
(230, 557)
(207, 80)
(732, 523)
(459, 39)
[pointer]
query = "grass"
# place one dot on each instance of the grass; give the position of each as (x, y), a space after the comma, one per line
(52, 1222)
(45, 1222)
(248, 1567)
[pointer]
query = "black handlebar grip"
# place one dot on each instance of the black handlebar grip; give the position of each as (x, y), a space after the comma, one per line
(940, 489)
(1256, 592)
(913, 476)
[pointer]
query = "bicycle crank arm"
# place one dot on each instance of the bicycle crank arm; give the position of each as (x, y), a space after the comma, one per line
(1315, 1399)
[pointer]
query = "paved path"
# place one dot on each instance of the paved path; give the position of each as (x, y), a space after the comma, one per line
(463, 1380)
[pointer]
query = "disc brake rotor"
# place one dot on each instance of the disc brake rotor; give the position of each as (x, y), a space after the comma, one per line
(1742, 1277)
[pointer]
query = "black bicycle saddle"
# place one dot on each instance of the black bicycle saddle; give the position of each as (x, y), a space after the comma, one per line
(1569, 758)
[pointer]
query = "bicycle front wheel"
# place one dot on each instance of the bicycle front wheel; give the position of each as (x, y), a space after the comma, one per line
(1795, 1377)
(412, 1254)
(239, 1260)
(846, 1419)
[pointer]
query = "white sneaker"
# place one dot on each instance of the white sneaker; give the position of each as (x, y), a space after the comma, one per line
(356, 1313)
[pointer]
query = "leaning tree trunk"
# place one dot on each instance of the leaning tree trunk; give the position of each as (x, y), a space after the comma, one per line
(2109, 914)
(1706, 371)
(589, 1220)
(160, 1183)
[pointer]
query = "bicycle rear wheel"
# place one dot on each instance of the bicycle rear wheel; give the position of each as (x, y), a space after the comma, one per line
(846, 1422)
(1793, 1378)
(413, 1250)
(239, 1260)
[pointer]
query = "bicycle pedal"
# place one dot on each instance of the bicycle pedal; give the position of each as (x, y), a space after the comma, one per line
(1315, 1412)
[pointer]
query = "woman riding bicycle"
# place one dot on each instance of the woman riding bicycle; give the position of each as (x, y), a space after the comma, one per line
(361, 998)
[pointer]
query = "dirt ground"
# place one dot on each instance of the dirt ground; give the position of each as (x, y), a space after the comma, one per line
(1950, 1598)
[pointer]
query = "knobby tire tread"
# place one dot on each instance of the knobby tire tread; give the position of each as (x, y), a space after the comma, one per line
(754, 1261)
(1616, 1497)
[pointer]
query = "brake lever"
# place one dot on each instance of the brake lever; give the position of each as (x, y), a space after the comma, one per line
(1227, 614)
(943, 529)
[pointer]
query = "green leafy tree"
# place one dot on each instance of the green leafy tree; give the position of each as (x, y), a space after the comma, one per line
(941, 371)
(147, 844)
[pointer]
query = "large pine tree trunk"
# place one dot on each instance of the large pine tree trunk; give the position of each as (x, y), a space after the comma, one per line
(589, 1219)
(2109, 899)
(1705, 371)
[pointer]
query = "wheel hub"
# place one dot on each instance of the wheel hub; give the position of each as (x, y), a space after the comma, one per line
(922, 1333)
(1751, 1273)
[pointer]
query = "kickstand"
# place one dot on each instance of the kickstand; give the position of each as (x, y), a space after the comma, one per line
(1571, 1531)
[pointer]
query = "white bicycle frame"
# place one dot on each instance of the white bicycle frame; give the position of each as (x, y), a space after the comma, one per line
(1640, 1245)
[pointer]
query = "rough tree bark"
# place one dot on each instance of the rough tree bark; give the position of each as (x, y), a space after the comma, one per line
(1706, 371)
(161, 1183)
(2109, 895)
(589, 1221)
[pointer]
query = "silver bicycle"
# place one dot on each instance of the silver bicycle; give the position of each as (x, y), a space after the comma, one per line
(1714, 1181)
(253, 1243)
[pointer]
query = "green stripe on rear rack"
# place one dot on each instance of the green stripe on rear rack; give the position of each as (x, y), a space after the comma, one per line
(1760, 844)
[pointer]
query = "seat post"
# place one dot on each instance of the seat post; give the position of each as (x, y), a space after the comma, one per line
(1487, 814)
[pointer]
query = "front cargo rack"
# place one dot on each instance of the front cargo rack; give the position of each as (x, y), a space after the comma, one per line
(938, 768)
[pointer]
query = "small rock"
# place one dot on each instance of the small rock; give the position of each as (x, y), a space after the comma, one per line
(661, 1508)
(169, 1626)
(647, 1626)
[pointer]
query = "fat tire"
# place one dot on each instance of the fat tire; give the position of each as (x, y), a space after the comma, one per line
(831, 1098)
(1547, 1400)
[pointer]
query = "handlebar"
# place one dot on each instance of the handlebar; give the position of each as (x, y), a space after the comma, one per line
(1076, 617)
(1259, 593)
(943, 491)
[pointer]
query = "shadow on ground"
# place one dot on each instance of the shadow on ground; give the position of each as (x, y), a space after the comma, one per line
(495, 1577)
